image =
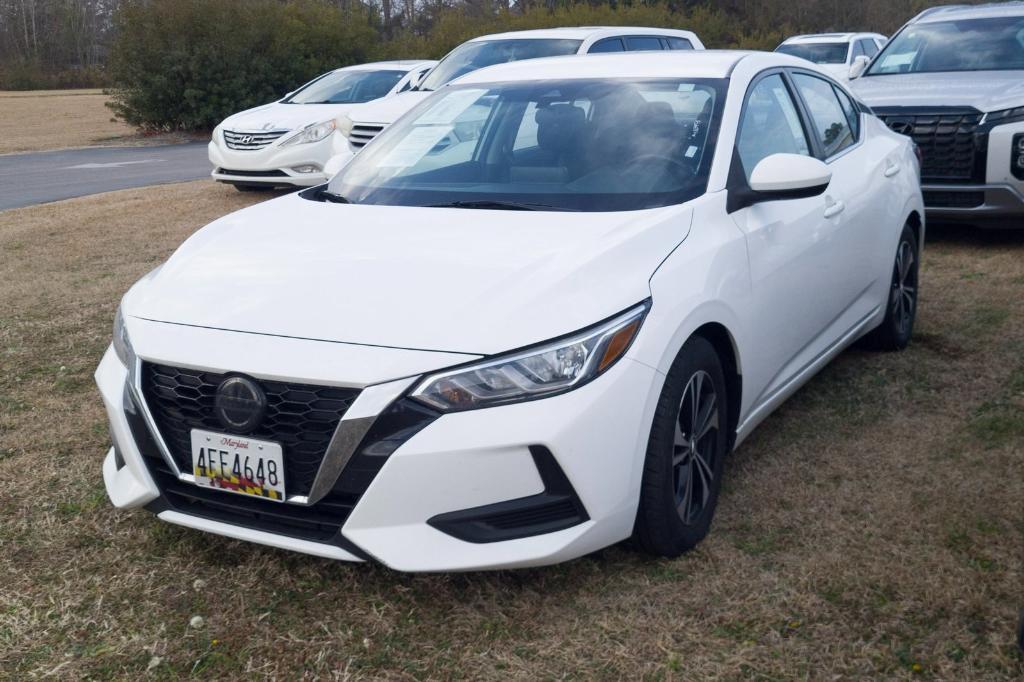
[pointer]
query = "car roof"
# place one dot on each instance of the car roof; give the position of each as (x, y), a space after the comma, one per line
(583, 33)
(393, 65)
(673, 64)
(955, 12)
(830, 38)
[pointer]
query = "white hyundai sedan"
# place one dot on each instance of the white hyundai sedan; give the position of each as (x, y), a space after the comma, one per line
(515, 339)
(288, 142)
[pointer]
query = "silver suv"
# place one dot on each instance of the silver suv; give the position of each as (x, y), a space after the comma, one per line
(953, 80)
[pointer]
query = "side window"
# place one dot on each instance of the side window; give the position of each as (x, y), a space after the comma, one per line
(607, 45)
(678, 43)
(642, 43)
(830, 123)
(770, 124)
(852, 114)
(869, 46)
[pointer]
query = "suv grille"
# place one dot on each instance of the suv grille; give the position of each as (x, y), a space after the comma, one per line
(251, 141)
(362, 133)
(952, 143)
(302, 418)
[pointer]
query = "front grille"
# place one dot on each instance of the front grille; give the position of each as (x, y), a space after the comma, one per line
(944, 199)
(253, 173)
(362, 133)
(301, 417)
(241, 140)
(953, 144)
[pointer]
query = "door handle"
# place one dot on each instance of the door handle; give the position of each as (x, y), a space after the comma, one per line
(892, 169)
(834, 209)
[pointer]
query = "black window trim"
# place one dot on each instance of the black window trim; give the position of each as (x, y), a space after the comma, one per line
(809, 120)
(739, 195)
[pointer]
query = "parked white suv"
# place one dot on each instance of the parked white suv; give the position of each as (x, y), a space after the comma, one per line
(837, 53)
(363, 123)
(953, 80)
(288, 142)
(526, 342)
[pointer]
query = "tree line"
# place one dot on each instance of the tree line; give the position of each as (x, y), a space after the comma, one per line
(183, 64)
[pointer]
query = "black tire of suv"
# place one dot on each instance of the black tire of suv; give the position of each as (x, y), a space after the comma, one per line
(894, 333)
(660, 529)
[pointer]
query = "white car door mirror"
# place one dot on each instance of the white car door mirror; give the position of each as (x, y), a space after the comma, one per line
(789, 176)
(860, 64)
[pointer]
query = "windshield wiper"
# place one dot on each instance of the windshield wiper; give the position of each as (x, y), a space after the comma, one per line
(500, 206)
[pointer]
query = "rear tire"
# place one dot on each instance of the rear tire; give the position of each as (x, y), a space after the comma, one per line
(685, 454)
(901, 305)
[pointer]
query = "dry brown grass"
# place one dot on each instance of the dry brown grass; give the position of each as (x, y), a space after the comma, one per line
(38, 120)
(871, 529)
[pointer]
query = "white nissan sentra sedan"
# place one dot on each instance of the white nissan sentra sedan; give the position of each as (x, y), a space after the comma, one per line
(515, 343)
(288, 142)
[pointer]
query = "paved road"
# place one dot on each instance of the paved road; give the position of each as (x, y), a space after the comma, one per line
(39, 177)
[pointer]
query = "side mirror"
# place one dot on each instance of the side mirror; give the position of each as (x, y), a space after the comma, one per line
(860, 64)
(789, 176)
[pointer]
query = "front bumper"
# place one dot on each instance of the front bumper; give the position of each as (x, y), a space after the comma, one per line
(273, 165)
(984, 205)
(596, 435)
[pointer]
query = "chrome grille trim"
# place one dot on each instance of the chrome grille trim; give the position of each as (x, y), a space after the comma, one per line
(363, 133)
(248, 141)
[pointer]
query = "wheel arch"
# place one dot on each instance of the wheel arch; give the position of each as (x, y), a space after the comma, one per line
(724, 344)
(917, 226)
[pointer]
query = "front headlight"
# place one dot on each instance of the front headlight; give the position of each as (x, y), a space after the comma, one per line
(344, 124)
(314, 132)
(542, 371)
(122, 344)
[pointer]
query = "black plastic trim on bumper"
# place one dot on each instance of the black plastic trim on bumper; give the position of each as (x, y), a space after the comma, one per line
(321, 522)
(556, 508)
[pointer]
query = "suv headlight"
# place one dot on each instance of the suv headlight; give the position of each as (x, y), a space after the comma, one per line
(314, 132)
(344, 125)
(122, 344)
(539, 372)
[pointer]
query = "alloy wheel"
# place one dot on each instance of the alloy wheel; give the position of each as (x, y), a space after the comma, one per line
(694, 447)
(904, 287)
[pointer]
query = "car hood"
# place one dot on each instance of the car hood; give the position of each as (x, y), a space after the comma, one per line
(456, 280)
(277, 116)
(387, 110)
(983, 90)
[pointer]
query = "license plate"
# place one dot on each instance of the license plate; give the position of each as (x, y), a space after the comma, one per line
(237, 464)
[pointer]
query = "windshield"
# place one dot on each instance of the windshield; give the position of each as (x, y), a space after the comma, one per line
(995, 44)
(346, 87)
(819, 53)
(476, 55)
(577, 145)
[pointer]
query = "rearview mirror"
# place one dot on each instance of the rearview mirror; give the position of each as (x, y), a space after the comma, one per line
(860, 64)
(789, 176)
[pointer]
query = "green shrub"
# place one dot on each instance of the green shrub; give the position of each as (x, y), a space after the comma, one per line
(187, 64)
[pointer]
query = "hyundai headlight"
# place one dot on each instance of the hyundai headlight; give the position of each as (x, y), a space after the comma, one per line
(549, 369)
(122, 344)
(314, 132)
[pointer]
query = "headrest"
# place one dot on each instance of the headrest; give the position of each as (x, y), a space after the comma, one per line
(559, 126)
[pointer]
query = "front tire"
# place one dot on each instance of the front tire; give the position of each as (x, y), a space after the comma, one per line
(901, 305)
(685, 454)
